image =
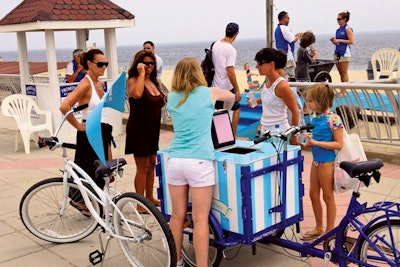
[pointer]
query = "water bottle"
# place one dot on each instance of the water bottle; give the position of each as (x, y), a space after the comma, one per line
(250, 98)
(274, 133)
(302, 139)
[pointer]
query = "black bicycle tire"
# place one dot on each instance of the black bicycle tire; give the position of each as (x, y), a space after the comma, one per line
(150, 210)
(371, 231)
(56, 228)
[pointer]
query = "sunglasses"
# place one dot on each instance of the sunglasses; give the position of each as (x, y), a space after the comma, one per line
(148, 63)
(259, 63)
(100, 64)
(339, 19)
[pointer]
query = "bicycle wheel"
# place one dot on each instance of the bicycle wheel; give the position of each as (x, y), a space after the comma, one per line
(152, 242)
(387, 240)
(40, 211)
(214, 252)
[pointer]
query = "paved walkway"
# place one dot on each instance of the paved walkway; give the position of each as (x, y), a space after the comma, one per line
(18, 247)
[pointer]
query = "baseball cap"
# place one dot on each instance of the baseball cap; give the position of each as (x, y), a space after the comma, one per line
(232, 28)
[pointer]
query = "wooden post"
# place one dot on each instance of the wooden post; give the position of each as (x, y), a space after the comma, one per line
(269, 21)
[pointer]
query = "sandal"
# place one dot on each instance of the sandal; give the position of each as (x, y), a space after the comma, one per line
(310, 235)
(156, 202)
(81, 207)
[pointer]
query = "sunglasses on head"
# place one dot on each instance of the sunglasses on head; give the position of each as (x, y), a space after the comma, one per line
(100, 64)
(148, 63)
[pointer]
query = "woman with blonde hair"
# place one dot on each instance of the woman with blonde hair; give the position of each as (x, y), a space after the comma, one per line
(190, 164)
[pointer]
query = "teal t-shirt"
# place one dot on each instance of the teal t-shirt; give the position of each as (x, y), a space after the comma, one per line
(192, 124)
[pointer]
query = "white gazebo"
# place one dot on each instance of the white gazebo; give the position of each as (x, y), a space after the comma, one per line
(48, 16)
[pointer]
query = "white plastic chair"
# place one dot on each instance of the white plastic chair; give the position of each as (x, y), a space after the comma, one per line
(20, 108)
(388, 59)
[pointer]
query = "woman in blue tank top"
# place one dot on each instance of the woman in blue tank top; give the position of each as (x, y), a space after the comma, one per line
(190, 163)
(342, 41)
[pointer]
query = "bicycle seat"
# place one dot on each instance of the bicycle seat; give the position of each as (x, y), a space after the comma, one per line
(363, 168)
(109, 168)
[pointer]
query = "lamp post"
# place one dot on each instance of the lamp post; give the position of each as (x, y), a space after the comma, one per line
(269, 21)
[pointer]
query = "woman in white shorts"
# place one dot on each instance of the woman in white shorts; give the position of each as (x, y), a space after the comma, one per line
(190, 164)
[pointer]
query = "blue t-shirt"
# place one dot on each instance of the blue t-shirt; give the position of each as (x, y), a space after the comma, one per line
(192, 124)
(323, 126)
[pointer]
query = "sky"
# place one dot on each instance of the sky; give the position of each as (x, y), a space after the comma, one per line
(177, 21)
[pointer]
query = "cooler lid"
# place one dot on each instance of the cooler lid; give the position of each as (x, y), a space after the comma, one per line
(221, 129)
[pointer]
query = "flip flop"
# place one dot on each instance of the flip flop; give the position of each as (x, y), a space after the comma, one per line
(83, 209)
(310, 235)
(155, 202)
(142, 210)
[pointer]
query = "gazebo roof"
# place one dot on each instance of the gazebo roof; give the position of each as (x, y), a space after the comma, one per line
(12, 67)
(37, 15)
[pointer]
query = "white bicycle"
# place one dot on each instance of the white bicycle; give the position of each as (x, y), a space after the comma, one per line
(47, 212)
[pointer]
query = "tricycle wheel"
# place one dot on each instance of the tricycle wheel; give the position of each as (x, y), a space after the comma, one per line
(214, 252)
(323, 76)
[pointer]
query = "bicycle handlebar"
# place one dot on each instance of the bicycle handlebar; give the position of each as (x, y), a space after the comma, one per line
(81, 107)
(292, 130)
(52, 141)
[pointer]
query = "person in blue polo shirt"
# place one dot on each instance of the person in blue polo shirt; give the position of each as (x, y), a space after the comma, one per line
(74, 71)
(342, 41)
(285, 40)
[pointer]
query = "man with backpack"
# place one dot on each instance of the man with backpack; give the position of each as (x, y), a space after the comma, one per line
(224, 59)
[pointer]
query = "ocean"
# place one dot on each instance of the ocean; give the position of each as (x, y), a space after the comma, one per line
(365, 44)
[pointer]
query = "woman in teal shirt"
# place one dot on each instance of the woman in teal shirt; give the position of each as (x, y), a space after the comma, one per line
(191, 155)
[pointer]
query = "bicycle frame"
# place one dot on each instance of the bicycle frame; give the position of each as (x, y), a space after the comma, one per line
(355, 209)
(70, 169)
(340, 255)
(102, 196)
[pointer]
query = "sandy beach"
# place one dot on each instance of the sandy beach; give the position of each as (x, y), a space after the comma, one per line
(354, 76)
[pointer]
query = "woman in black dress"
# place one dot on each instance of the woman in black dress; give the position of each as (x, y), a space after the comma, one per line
(143, 127)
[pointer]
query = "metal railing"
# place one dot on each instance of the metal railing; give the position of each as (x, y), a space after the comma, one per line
(9, 84)
(370, 109)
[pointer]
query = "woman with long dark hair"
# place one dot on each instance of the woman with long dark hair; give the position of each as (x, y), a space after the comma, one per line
(143, 127)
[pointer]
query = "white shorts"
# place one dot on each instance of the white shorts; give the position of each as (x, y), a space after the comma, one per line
(341, 59)
(192, 172)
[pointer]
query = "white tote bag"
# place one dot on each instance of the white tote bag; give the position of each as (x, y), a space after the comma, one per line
(352, 151)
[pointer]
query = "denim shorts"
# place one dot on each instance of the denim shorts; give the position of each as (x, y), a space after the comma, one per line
(192, 172)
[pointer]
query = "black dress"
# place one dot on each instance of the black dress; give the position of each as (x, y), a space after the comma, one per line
(143, 127)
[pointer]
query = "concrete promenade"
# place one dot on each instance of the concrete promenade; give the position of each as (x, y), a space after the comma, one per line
(19, 171)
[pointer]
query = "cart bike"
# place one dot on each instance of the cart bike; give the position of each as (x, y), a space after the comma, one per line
(241, 212)
(376, 241)
(47, 210)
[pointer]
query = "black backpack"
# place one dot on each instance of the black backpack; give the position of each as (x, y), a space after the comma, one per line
(207, 65)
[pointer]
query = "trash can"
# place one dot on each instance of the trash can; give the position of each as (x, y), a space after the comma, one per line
(370, 73)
